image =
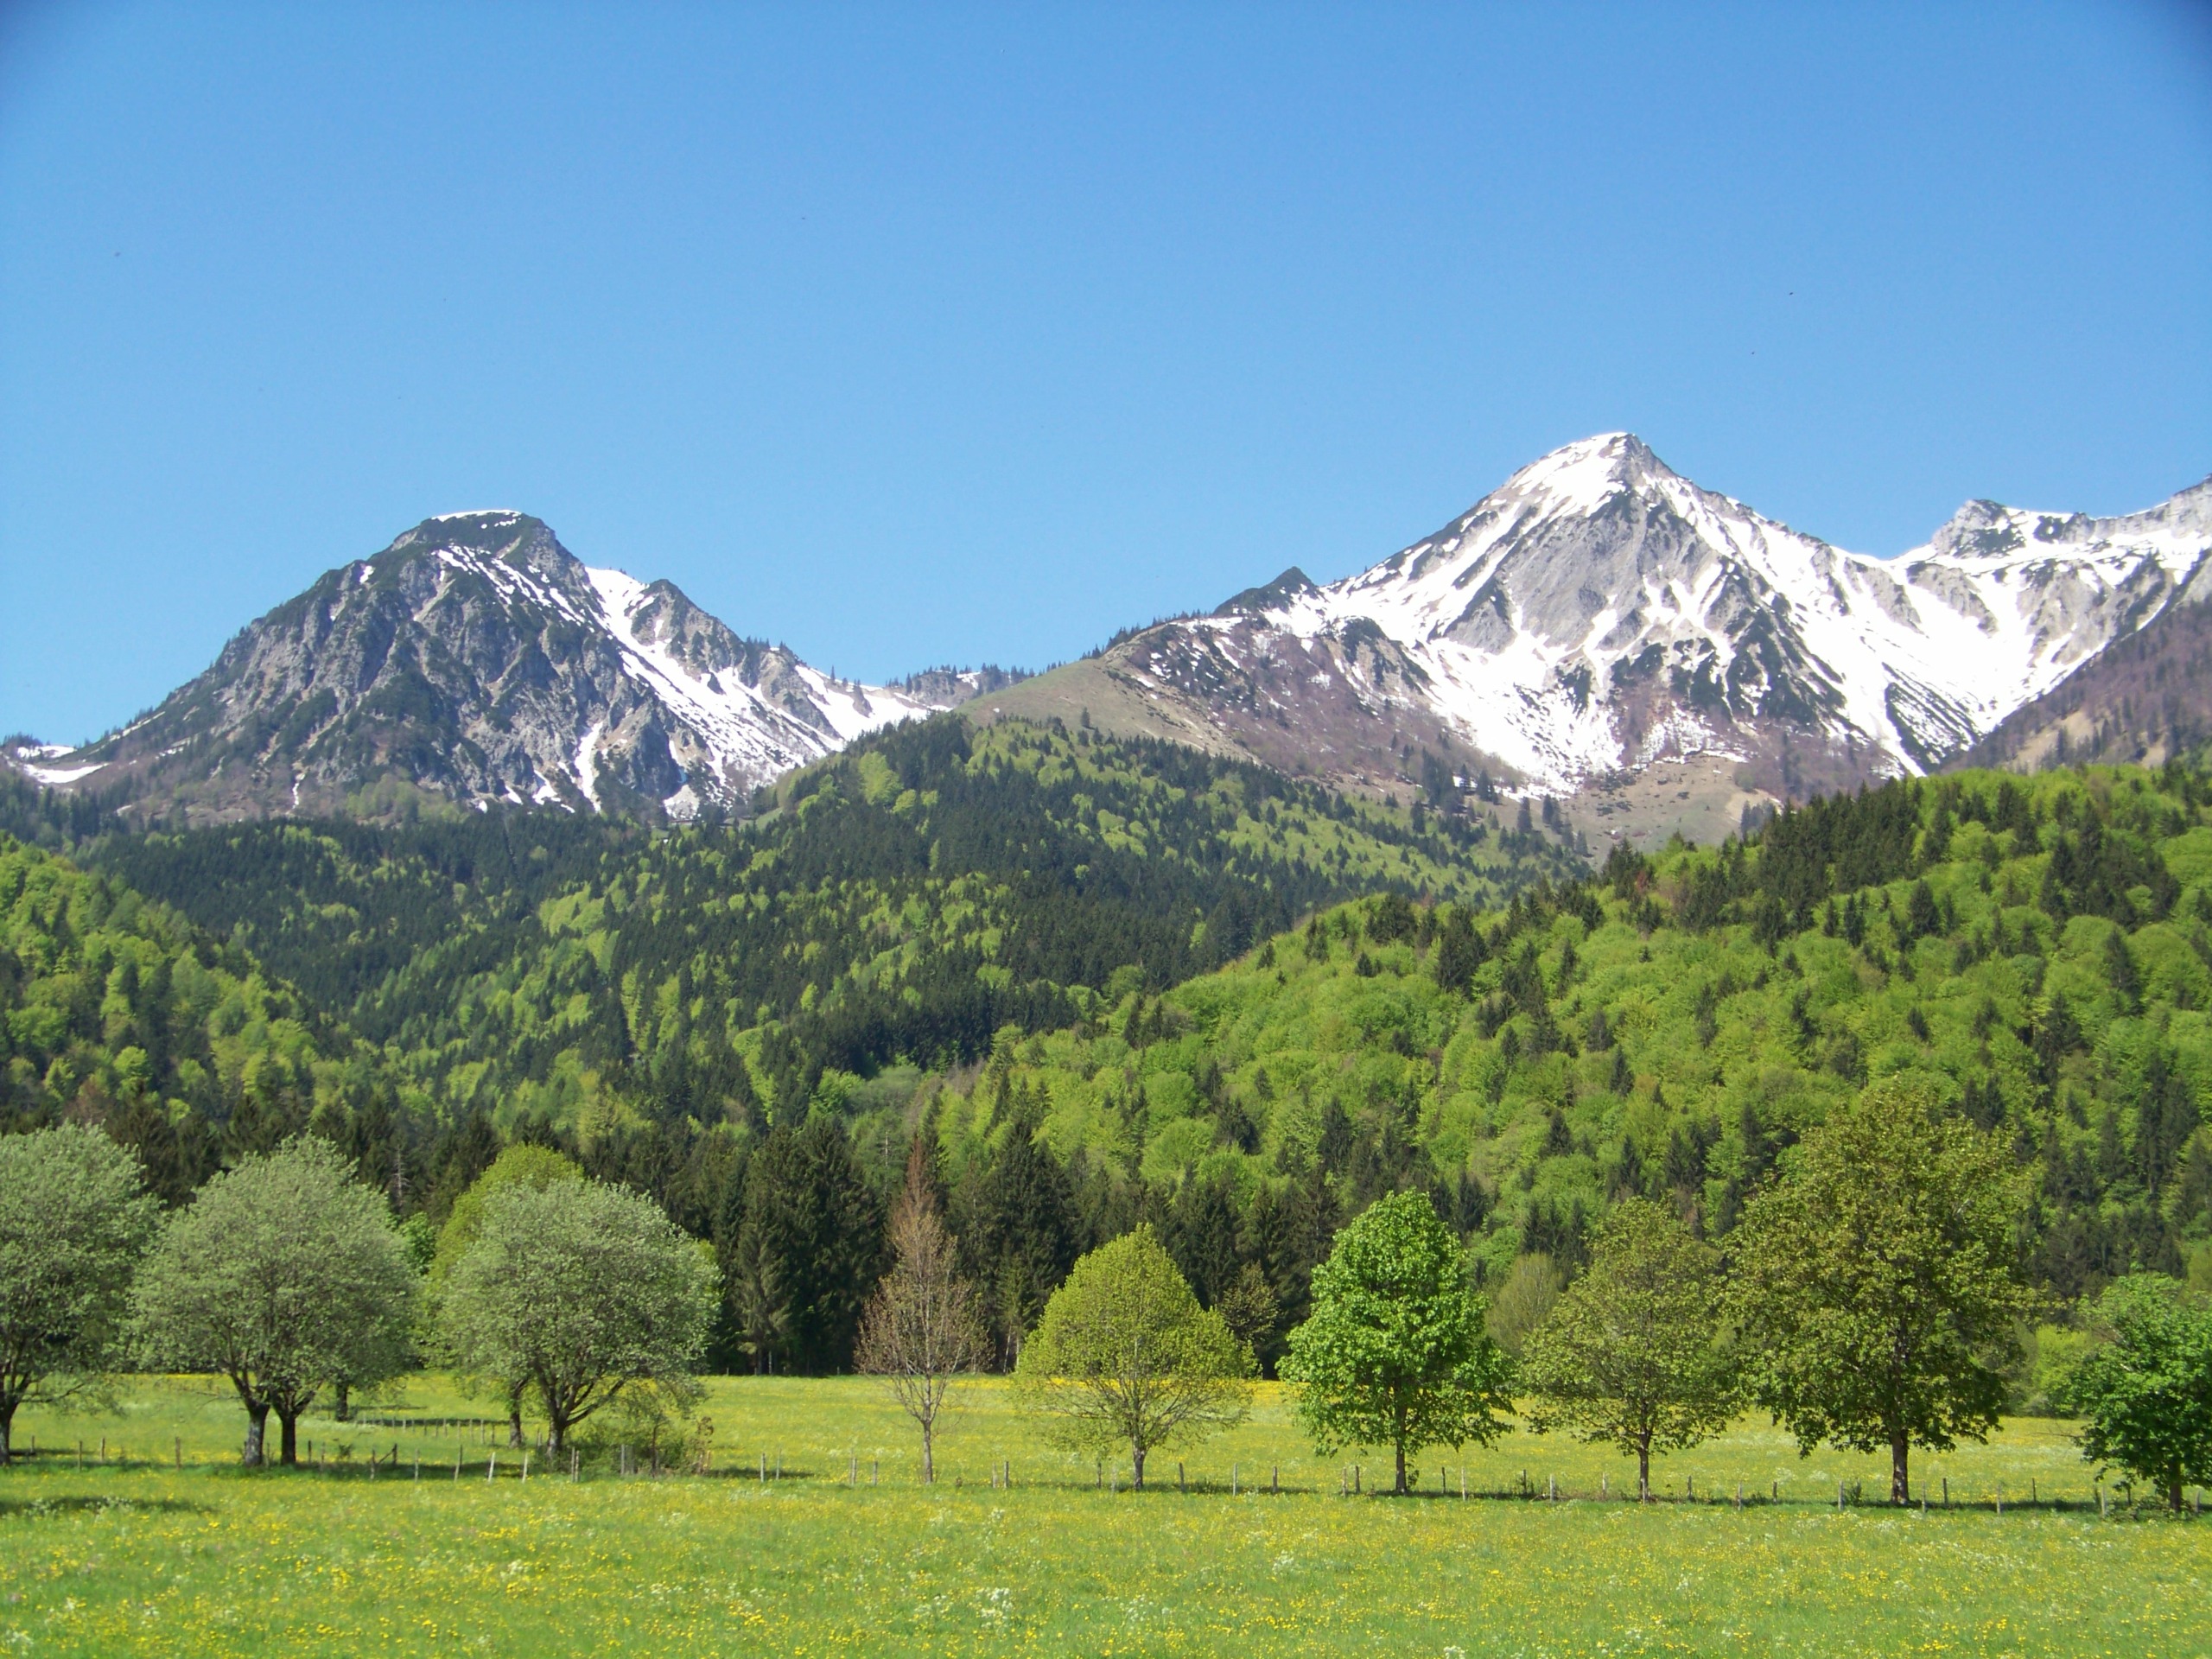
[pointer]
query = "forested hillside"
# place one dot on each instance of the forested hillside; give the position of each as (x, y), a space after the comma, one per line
(900, 902)
(115, 1010)
(1115, 983)
(2040, 948)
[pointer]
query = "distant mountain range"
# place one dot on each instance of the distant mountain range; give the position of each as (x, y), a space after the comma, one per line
(1598, 629)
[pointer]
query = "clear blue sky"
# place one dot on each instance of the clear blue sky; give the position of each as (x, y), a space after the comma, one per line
(928, 333)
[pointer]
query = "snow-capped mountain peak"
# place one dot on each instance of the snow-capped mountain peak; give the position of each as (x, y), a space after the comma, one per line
(1598, 612)
(477, 659)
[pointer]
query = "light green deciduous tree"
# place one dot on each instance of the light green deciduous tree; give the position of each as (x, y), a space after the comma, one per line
(1873, 1285)
(1125, 1356)
(522, 1165)
(285, 1274)
(2145, 1389)
(1630, 1353)
(74, 1214)
(579, 1290)
(1394, 1353)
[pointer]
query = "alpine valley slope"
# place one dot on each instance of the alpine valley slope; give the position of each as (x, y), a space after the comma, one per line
(1601, 628)
(479, 660)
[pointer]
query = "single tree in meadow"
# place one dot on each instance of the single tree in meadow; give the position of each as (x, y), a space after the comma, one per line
(1394, 1354)
(1873, 1285)
(1125, 1356)
(2144, 1391)
(520, 1164)
(1630, 1353)
(921, 1328)
(582, 1290)
(75, 1217)
(285, 1274)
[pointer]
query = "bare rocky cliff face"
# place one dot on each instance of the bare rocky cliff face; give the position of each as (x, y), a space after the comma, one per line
(1599, 616)
(477, 660)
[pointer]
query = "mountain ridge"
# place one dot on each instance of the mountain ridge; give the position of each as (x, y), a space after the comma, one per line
(1598, 630)
(476, 659)
(1599, 615)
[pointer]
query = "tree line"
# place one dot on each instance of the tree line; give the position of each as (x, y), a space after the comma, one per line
(1866, 1301)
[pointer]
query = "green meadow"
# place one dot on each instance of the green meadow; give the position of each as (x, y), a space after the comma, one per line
(132, 1553)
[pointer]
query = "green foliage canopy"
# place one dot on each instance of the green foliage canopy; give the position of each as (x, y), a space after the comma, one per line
(2146, 1391)
(1630, 1354)
(582, 1290)
(1874, 1283)
(1394, 1353)
(1125, 1356)
(74, 1217)
(285, 1275)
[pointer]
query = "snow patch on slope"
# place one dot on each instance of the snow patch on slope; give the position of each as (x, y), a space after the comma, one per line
(1596, 563)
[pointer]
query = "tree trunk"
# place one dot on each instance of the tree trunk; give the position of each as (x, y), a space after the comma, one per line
(7, 1432)
(514, 1417)
(343, 1412)
(929, 1458)
(556, 1433)
(1643, 1470)
(257, 1434)
(1136, 1466)
(289, 1455)
(1900, 1487)
(1399, 1489)
(2173, 1486)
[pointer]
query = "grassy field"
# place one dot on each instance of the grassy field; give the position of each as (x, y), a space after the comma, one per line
(140, 1556)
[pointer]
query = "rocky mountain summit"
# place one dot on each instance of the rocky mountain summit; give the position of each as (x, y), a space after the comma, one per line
(478, 660)
(1599, 615)
(1598, 631)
